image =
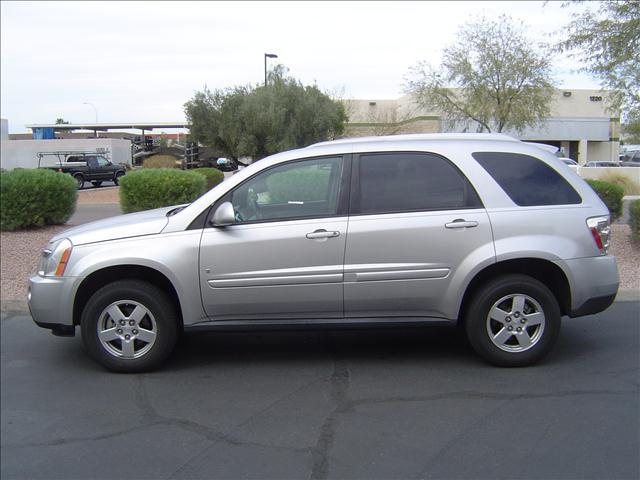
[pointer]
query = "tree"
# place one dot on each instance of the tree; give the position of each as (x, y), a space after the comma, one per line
(607, 41)
(492, 75)
(262, 120)
(631, 127)
(61, 121)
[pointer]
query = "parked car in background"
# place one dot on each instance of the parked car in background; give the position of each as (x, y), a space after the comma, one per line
(630, 159)
(83, 167)
(226, 164)
(602, 164)
(568, 161)
(479, 229)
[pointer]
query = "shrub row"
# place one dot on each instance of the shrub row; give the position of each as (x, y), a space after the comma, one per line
(634, 219)
(34, 198)
(160, 161)
(159, 187)
(610, 194)
(213, 176)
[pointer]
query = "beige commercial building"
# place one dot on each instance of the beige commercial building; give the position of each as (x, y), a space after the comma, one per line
(580, 123)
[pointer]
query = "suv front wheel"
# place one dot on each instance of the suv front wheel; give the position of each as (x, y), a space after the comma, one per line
(513, 321)
(129, 326)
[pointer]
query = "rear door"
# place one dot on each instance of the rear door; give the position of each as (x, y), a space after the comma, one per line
(415, 221)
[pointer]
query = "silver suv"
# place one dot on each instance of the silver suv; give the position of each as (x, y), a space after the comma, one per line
(480, 229)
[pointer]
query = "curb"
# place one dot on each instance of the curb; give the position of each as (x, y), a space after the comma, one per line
(19, 306)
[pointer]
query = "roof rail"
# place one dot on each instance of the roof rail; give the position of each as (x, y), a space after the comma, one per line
(420, 137)
(72, 152)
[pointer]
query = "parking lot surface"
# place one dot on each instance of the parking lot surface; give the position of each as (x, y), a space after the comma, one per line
(413, 403)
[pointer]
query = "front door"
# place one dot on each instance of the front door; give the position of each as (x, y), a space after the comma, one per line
(283, 258)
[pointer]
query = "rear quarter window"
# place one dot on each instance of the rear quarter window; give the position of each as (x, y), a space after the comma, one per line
(527, 180)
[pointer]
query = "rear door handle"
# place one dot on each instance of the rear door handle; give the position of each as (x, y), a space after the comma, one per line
(322, 233)
(461, 223)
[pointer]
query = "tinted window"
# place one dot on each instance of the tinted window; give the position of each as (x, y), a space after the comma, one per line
(302, 189)
(527, 180)
(397, 182)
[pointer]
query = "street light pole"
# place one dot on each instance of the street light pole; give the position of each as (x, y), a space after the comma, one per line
(267, 55)
(96, 112)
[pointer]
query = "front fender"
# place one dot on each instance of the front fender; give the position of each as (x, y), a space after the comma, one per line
(174, 255)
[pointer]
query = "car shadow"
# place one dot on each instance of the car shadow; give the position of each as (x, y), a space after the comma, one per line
(441, 343)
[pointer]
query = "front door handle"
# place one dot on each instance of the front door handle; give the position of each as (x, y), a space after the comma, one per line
(322, 233)
(461, 223)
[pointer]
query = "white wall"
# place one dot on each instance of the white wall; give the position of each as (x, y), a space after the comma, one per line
(23, 153)
(4, 129)
(601, 151)
(597, 173)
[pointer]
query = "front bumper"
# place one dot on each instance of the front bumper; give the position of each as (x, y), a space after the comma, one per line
(594, 284)
(50, 305)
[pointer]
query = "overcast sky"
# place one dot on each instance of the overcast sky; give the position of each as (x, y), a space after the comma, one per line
(143, 61)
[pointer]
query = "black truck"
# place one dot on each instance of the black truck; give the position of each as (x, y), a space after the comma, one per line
(83, 166)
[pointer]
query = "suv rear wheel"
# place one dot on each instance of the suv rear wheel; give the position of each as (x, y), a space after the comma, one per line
(513, 321)
(129, 326)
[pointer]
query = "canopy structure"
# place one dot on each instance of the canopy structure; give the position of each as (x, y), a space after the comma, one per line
(46, 130)
(103, 127)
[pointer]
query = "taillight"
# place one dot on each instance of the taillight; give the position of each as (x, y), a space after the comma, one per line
(600, 231)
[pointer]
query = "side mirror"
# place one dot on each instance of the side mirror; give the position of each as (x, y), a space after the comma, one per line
(224, 215)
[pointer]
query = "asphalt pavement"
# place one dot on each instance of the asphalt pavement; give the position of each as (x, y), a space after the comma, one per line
(368, 404)
(94, 211)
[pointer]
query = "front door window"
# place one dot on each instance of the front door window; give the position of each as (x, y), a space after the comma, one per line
(296, 190)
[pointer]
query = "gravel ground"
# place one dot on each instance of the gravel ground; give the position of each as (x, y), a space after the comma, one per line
(21, 250)
(627, 252)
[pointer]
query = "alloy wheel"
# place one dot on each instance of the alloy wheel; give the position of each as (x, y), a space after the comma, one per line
(515, 323)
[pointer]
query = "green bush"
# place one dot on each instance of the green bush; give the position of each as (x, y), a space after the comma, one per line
(160, 161)
(159, 187)
(34, 198)
(634, 219)
(306, 184)
(610, 194)
(213, 176)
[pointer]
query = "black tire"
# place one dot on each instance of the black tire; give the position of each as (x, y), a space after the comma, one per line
(516, 328)
(160, 317)
(97, 183)
(117, 177)
(79, 178)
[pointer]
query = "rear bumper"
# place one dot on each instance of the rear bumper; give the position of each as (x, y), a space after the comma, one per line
(593, 305)
(594, 284)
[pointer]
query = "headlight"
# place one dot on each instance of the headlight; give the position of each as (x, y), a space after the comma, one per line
(55, 258)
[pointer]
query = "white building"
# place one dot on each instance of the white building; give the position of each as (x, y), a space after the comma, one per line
(580, 123)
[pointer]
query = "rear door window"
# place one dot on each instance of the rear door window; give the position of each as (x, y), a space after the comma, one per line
(527, 180)
(406, 182)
